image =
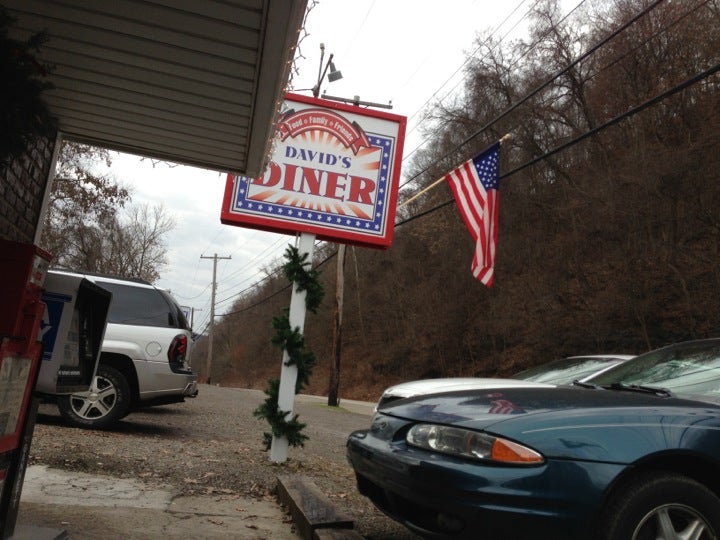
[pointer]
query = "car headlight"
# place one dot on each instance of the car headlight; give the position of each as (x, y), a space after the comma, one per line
(471, 444)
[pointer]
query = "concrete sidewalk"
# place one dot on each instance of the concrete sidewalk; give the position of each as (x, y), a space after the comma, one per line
(89, 507)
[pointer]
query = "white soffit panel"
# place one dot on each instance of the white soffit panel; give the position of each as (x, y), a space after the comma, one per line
(189, 81)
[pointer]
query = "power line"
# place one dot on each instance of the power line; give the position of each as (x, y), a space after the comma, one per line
(262, 256)
(471, 55)
(631, 112)
(255, 284)
(465, 62)
(635, 110)
(540, 87)
(495, 30)
(284, 288)
(517, 60)
(685, 84)
(192, 297)
(648, 39)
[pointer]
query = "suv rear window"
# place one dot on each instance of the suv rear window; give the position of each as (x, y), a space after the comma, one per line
(141, 306)
(179, 315)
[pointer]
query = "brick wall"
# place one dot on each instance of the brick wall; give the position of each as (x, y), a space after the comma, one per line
(22, 187)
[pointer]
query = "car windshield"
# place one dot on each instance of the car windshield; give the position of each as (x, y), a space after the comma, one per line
(686, 369)
(566, 370)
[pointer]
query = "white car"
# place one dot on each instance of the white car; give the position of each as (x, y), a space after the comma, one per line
(557, 372)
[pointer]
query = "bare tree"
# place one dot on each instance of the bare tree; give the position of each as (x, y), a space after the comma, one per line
(80, 195)
(139, 247)
(91, 225)
(129, 244)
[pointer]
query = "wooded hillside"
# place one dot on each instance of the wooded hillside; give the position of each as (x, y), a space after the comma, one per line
(609, 244)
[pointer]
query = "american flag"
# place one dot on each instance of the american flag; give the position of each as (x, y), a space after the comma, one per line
(475, 185)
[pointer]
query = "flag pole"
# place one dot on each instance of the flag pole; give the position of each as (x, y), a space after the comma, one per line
(504, 138)
(428, 188)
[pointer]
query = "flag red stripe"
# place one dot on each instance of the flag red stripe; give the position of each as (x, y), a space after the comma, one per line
(464, 185)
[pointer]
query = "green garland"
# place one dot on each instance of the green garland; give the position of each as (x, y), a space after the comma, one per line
(307, 280)
(291, 340)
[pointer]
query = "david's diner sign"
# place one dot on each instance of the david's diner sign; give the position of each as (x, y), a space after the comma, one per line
(334, 172)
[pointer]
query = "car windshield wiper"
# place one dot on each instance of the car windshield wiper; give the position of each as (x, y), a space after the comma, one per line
(589, 385)
(622, 387)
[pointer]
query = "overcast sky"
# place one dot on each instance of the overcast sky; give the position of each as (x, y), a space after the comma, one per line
(408, 52)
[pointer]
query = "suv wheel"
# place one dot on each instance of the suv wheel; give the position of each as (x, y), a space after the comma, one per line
(107, 401)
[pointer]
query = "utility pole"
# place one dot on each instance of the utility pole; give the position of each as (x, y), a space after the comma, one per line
(212, 312)
(333, 389)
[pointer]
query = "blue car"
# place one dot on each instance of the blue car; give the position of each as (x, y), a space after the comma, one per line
(632, 454)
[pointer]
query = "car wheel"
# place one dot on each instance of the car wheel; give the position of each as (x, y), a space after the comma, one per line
(663, 507)
(107, 401)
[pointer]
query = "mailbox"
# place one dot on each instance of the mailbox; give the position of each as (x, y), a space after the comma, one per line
(23, 268)
(72, 331)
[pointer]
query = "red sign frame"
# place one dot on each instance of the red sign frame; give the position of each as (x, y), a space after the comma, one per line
(334, 172)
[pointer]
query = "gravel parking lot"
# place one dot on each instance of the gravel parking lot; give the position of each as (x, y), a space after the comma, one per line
(211, 446)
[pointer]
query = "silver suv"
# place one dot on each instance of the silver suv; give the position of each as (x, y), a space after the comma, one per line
(144, 358)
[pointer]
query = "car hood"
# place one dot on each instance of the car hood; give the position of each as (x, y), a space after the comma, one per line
(572, 422)
(453, 384)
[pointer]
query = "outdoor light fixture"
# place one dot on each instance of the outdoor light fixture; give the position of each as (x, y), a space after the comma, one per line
(335, 74)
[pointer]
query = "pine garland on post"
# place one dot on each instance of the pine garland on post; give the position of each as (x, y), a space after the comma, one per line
(297, 270)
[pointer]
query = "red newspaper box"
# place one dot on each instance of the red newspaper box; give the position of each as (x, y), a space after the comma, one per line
(22, 272)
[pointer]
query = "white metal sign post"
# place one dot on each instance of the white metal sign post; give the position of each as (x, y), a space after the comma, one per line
(288, 374)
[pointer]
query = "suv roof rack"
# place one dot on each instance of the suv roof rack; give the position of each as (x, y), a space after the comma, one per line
(100, 274)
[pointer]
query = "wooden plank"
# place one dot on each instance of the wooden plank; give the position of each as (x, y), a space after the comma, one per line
(309, 507)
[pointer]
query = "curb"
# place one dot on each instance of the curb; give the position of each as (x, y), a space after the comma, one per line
(315, 516)
(31, 532)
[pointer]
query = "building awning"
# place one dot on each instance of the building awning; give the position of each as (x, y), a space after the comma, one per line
(196, 82)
